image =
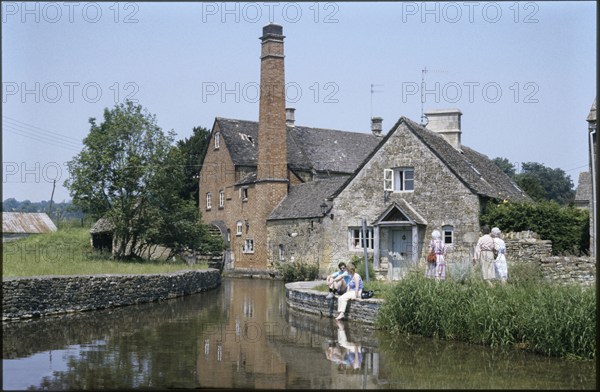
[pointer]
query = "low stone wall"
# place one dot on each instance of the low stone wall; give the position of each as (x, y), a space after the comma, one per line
(569, 270)
(301, 296)
(29, 297)
(526, 246)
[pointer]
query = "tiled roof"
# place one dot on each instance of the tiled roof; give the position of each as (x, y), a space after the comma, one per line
(475, 170)
(584, 188)
(308, 148)
(304, 200)
(26, 223)
(102, 225)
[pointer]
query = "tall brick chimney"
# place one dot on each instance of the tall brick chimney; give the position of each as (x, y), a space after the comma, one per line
(272, 145)
(446, 122)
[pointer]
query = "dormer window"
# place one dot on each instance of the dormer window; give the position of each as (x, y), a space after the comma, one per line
(399, 179)
(217, 140)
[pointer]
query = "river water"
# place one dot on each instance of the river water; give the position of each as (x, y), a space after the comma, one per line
(242, 335)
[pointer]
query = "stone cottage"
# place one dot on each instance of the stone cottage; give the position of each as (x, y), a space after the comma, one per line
(280, 192)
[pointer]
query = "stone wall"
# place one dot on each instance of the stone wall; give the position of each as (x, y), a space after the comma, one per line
(48, 295)
(526, 246)
(302, 297)
(569, 270)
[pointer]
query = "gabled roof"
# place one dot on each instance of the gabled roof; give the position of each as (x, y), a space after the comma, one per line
(102, 225)
(584, 188)
(475, 170)
(26, 223)
(307, 148)
(403, 209)
(304, 200)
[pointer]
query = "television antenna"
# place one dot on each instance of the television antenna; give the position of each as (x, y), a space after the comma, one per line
(373, 90)
(424, 119)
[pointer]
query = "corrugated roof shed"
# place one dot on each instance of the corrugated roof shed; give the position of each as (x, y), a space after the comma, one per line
(26, 223)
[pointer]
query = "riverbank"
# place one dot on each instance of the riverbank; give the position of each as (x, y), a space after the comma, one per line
(32, 297)
(302, 296)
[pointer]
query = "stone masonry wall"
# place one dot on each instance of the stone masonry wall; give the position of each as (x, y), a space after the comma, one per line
(569, 270)
(301, 296)
(48, 295)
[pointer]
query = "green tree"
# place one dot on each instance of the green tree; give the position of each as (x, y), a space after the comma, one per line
(556, 185)
(193, 150)
(505, 165)
(129, 172)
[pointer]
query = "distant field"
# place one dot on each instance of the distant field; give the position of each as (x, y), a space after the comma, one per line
(68, 252)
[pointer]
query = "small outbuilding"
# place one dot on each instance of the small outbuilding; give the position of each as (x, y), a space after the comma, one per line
(16, 225)
(102, 235)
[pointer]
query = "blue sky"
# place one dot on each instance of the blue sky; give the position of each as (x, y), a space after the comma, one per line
(522, 73)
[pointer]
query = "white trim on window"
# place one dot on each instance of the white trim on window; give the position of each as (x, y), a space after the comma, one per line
(248, 246)
(217, 140)
(239, 227)
(355, 238)
(448, 234)
(399, 179)
(221, 199)
(208, 201)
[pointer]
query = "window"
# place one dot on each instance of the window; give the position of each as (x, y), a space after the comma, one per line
(221, 199)
(399, 179)
(228, 235)
(244, 193)
(217, 139)
(248, 246)
(448, 234)
(281, 253)
(208, 201)
(238, 228)
(356, 239)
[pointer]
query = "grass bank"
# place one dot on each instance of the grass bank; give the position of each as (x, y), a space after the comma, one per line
(526, 313)
(68, 252)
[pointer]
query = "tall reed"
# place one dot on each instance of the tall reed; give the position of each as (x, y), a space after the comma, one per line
(527, 313)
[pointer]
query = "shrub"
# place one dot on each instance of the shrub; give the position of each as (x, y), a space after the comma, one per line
(297, 271)
(566, 227)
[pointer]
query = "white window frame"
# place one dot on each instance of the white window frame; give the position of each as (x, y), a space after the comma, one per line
(448, 232)
(248, 246)
(355, 237)
(217, 140)
(239, 228)
(221, 199)
(208, 200)
(395, 180)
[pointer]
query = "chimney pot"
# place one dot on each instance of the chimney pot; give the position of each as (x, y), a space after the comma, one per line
(376, 125)
(290, 117)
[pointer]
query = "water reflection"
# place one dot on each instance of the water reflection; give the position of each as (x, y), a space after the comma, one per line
(242, 335)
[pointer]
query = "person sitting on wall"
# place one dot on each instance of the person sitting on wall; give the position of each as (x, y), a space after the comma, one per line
(338, 281)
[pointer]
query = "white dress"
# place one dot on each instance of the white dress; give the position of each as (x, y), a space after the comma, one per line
(500, 262)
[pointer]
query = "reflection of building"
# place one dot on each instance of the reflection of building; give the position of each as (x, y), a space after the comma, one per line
(280, 192)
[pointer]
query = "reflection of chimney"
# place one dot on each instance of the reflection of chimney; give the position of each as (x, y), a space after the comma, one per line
(290, 116)
(272, 144)
(376, 125)
(446, 122)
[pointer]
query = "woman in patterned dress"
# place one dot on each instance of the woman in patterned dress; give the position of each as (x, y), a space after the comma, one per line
(437, 270)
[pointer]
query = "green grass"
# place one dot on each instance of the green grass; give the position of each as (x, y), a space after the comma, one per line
(68, 252)
(526, 313)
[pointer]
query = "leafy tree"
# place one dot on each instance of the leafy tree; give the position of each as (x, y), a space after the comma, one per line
(129, 172)
(540, 182)
(193, 150)
(566, 226)
(505, 165)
